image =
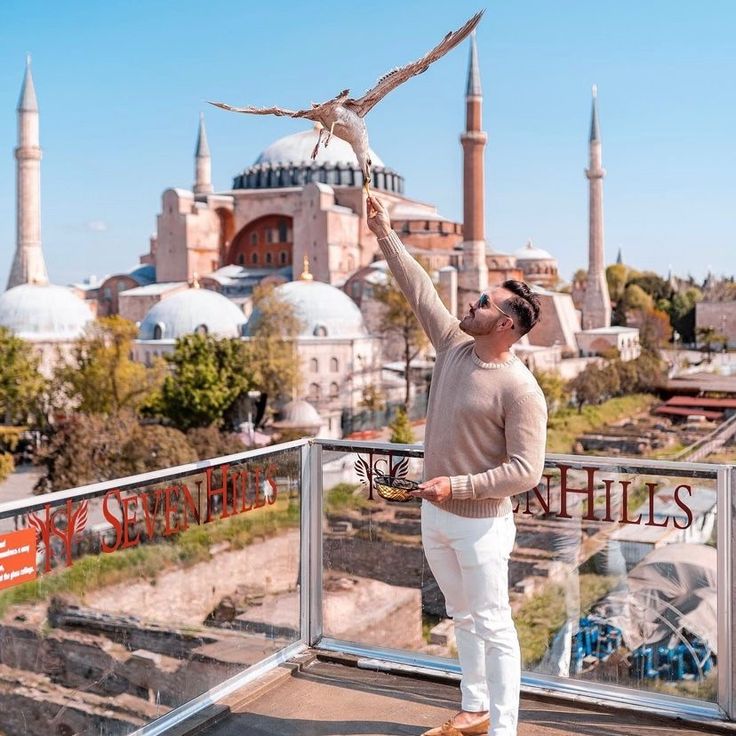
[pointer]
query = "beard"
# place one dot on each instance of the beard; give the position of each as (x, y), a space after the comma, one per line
(473, 327)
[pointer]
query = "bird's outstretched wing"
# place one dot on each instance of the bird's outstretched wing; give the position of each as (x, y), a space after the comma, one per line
(262, 110)
(398, 76)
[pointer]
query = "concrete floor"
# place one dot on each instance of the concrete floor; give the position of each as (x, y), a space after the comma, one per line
(330, 698)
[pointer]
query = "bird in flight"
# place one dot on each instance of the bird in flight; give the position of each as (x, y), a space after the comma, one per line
(343, 115)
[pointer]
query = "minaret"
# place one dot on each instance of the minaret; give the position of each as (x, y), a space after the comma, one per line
(202, 162)
(474, 272)
(596, 302)
(28, 266)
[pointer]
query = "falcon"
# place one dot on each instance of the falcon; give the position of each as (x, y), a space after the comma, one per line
(343, 115)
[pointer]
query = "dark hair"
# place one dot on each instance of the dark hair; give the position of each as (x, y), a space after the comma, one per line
(524, 303)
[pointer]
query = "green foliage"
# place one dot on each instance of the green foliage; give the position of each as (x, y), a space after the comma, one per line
(596, 384)
(22, 387)
(345, 496)
(91, 447)
(398, 319)
(101, 376)
(617, 275)
(636, 298)
(708, 338)
(566, 425)
(270, 354)
(401, 429)
(554, 388)
(654, 327)
(7, 465)
(207, 376)
(542, 615)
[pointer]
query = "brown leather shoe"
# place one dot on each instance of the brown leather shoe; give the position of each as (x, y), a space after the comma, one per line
(447, 729)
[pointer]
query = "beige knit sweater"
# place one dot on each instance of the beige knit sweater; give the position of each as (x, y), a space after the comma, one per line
(486, 422)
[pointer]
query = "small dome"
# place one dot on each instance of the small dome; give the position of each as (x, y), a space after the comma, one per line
(190, 311)
(299, 414)
(324, 310)
(39, 312)
(531, 253)
(297, 149)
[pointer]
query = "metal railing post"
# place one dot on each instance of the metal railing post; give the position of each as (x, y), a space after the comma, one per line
(726, 590)
(311, 547)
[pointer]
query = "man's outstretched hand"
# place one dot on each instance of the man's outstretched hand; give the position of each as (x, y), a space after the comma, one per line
(379, 222)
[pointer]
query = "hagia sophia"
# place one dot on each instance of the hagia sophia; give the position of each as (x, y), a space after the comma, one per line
(301, 224)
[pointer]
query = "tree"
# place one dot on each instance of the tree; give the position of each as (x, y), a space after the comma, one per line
(654, 327)
(270, 354)
(372, 399)
(399, 320)
(708, 337)
(616, 276)
(401, 429)
(87, 448)
(21, 385)
(102, 377)
(207, 376)
(554, 388)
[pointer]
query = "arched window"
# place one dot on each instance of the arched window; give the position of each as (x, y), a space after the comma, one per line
(269, 258)
(314, 365)
(159, 331)
(241, 259)
(320, 331)
(201, 329)
(254, 238)
(283, 230)
(282, 257)
(334, 390)
(314, 391)
(334, 365)
(254, 258)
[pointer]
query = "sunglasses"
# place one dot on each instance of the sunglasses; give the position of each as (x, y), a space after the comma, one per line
(485, 301)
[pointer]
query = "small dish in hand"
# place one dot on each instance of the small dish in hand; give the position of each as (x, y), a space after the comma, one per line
(391, 488)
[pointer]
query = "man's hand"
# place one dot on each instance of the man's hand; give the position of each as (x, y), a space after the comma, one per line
(379, 222)
(437, 490)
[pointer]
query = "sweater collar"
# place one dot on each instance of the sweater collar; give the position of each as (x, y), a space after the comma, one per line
(492, 366)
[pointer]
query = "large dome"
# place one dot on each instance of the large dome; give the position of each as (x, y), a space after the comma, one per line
(40, 312)
(324, 310)
(193, 310)
(297, 149)
(288, 163)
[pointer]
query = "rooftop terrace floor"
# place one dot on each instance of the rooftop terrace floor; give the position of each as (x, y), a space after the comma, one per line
(326, 695)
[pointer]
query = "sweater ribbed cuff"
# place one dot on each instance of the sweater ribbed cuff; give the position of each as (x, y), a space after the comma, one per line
(461, 487)
(391, 245)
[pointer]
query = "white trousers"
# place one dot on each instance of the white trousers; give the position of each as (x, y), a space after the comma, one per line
(470, 561)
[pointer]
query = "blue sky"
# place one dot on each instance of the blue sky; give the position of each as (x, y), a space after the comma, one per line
(121, 84)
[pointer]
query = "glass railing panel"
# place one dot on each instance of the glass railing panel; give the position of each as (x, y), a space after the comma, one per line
(613, 577)
(123, 601)
(375, 577)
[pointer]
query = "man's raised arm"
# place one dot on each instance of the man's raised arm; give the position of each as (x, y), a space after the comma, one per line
(412, 279)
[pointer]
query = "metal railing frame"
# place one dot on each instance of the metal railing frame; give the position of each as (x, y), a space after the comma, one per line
(311, 571)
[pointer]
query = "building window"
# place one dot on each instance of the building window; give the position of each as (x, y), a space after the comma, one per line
(269, 235)
(283, 231)
(158, 331)
(334, 365)
(314, 391)
(269, 258)
(282, 257)
(254, 238)
(334, 390)
(241, 259)
(320, 331)
(314, 365)
(200, 330)
(254, 258)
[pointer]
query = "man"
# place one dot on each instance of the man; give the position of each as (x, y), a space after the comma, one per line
(484, 442)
